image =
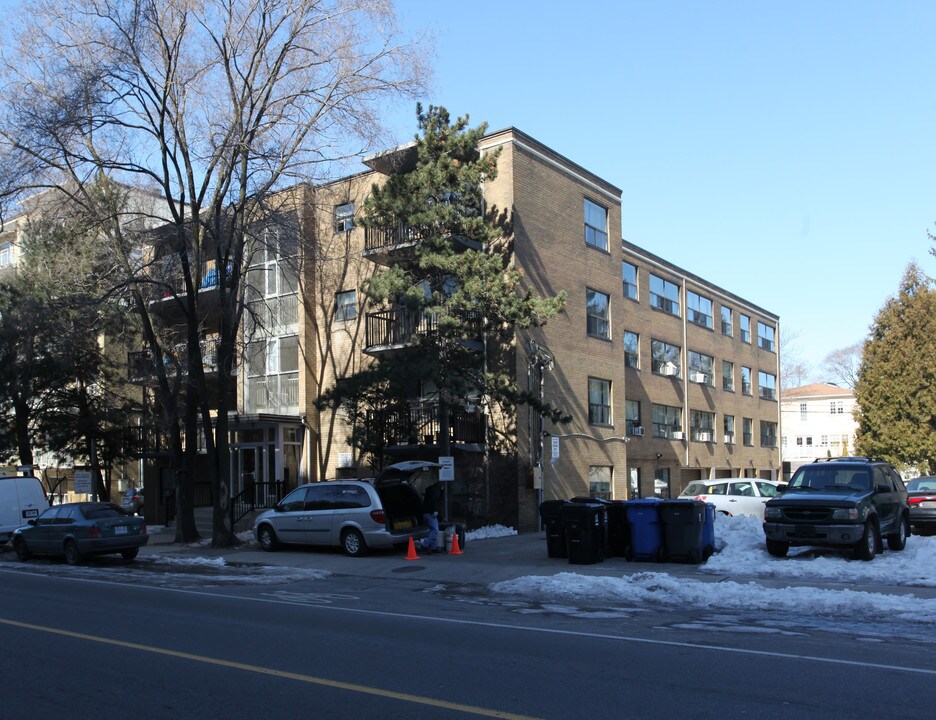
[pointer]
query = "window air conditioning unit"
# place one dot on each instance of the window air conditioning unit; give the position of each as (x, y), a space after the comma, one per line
(698, 377)
(678, 435)
(669, 369)
(705, 436)
(729, 439)
(637, 430)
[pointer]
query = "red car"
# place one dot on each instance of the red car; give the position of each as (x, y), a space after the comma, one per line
(921, 495)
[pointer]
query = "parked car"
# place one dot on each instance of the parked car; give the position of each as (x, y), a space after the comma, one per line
(21, 499)
(846, 503)
(132, 501)
(921, 495)
(77, 530)
(733, 496)
(354, 514)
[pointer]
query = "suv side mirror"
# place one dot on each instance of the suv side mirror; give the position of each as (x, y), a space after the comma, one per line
(781, 488)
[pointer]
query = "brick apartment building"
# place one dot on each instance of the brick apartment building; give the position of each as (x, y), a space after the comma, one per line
(667, 377)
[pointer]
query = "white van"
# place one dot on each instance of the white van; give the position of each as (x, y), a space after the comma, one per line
(21, 499)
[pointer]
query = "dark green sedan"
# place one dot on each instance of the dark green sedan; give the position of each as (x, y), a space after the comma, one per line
(77, 530)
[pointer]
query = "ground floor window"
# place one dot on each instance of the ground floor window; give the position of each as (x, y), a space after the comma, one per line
(661, 483)
(599, 481)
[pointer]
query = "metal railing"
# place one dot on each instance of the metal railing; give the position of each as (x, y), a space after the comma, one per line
(257, 496)
(420, 425)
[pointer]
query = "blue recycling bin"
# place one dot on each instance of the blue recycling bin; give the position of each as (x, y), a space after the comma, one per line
(646, 529)
(684, 529)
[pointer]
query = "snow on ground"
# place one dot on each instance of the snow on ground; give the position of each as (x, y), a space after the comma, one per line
(491, 531)
(741, 553)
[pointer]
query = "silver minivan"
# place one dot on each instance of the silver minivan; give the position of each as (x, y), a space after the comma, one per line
(354, 514)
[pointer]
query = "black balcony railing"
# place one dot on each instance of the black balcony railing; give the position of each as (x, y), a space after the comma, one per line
(146, 441)
(420, 426)
(399, 327)
(142, 369)
(378, 239)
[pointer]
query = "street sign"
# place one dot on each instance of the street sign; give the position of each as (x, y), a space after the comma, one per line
(83, 481)
(555, 448)
(447, 471)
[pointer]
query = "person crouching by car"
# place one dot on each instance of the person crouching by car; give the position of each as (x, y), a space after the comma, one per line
(432, 504)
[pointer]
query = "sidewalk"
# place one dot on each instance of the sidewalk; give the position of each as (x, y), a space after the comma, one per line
(482, 562)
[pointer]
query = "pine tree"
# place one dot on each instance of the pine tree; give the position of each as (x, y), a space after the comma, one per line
(896, 386)
(455, 287)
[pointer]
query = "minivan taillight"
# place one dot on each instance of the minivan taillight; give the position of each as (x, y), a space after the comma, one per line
(379, 517)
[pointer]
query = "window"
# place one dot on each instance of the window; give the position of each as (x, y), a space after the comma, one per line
(634, 483)
(344, 217)
(726, 324)
(745, 328)
(728, 426)
(596, 225)
(346, 305)
(836, 407)
(631, 350)
(765, 337)
(599, 401)
(661, 483)
(6, 254)
(808, 441)
(746, 381)
(596, 309)
(632, 412)
(702, 425)
(768, 434)
(666, 420)
(767, 385)
(629, 273)
(700, 368)
(840, 407)
(665, 358)
(664, 295)
(802, 411)
(599, 481)
(747, 430)
(824, 440)
(727, 375)
(698, 309)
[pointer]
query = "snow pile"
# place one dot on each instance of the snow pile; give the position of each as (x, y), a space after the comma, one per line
(491, 531)
(741, 553)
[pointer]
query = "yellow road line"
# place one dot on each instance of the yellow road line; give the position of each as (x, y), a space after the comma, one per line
(405, 697)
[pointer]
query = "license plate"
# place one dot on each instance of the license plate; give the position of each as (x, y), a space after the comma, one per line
(806, 530)
(35, 513)
(403, 525)
(928, 504)
(120, 530)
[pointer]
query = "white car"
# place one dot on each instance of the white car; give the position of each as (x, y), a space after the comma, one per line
(733, 496)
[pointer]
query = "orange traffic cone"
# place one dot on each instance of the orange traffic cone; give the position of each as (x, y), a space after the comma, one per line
(455, 549)
(411, 551)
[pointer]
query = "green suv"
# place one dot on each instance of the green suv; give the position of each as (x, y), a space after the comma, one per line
(849, 503)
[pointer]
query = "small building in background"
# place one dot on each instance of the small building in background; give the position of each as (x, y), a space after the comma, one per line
(817, 422)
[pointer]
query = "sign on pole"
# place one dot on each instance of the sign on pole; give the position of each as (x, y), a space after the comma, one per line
(555, 448)
(83, 481)
(447, 471)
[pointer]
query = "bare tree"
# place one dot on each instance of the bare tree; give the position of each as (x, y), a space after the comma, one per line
(217, 105)
(794, 371)
(843, 364)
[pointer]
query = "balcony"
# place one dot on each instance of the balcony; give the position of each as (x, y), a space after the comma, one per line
(420, 426)
(141, 370)
(399, 327)
(384, 245)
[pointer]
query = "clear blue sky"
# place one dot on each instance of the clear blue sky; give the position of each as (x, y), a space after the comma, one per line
(784, 151)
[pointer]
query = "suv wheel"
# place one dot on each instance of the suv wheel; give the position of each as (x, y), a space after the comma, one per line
(777, 548)
(898, 541)
(353, 543)
(868, 545)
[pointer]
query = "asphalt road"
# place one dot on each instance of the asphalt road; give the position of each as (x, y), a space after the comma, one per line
(112, 641)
